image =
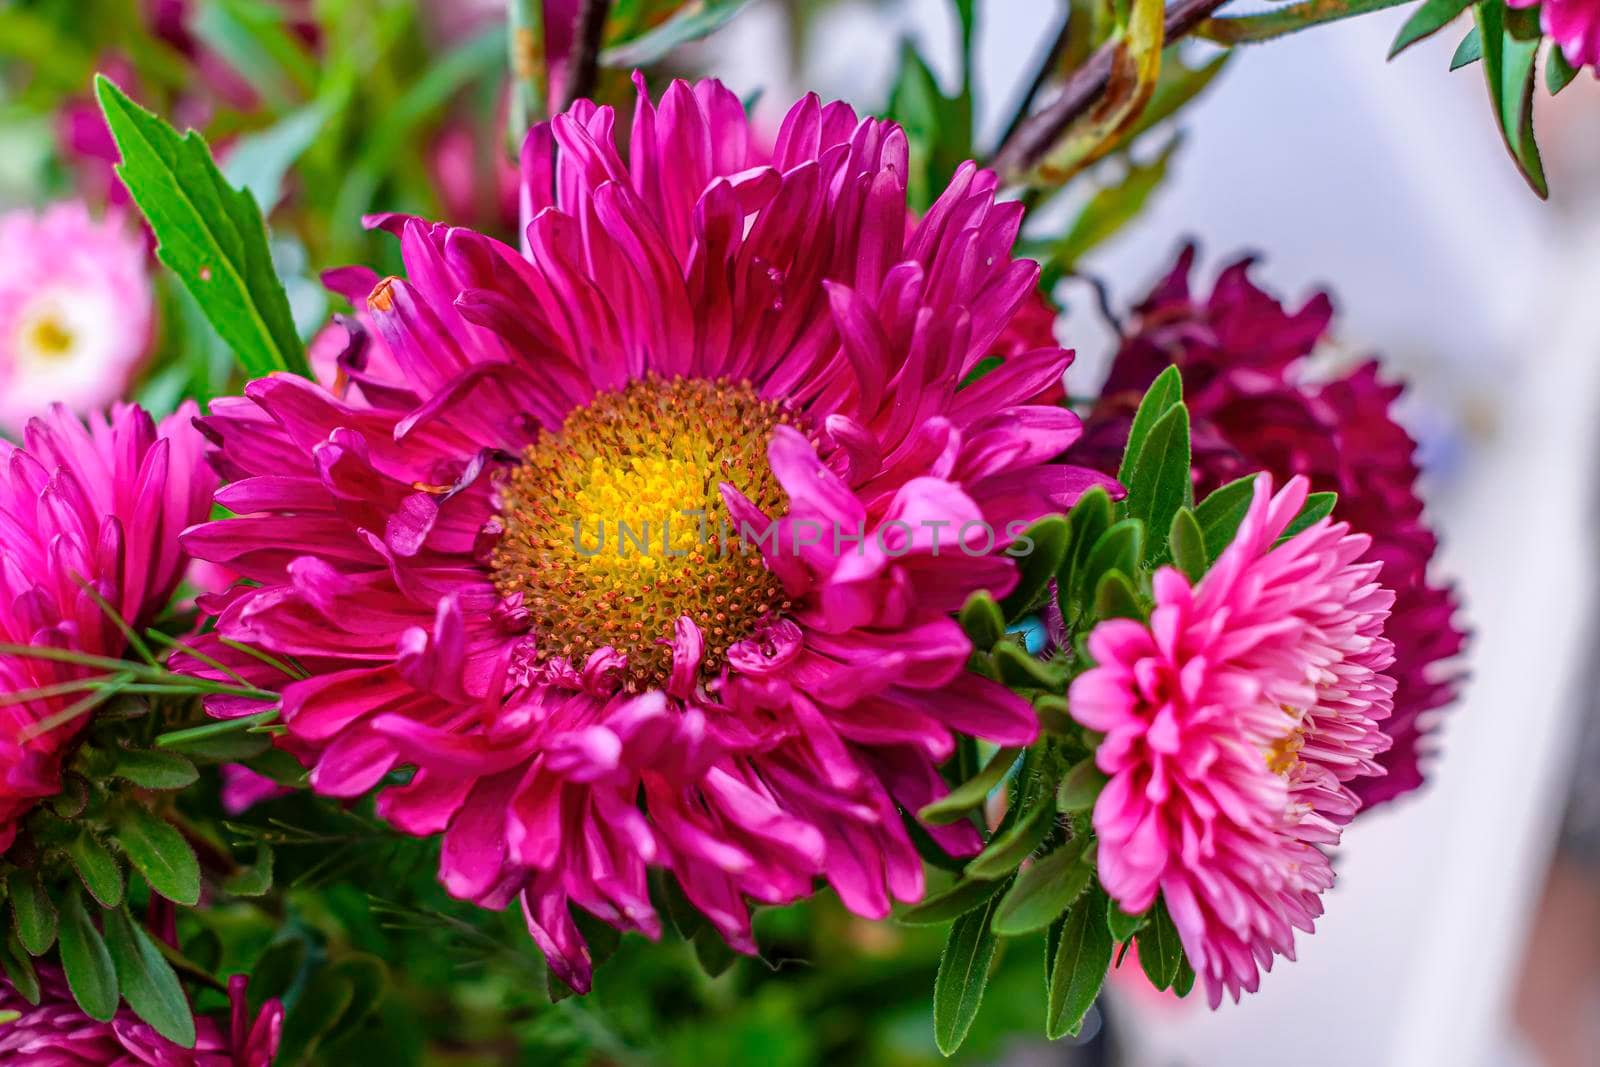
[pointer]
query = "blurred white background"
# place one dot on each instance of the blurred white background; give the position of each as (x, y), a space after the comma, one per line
(1387, 183)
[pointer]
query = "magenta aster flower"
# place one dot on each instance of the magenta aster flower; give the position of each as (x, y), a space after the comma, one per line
(1256, 405)
(701, 338)
(1574, 26)
(85, 510)
(1233, 723)
(56, 1033)
(75, 310)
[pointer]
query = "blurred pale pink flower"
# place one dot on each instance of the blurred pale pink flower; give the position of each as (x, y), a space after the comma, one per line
(243, 789)
(75, 310)
(1232, 723)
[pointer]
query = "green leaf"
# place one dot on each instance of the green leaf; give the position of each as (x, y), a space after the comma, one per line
(1160, 951)
(981, 619)
(1119, 549)
(1182, 984)
(1220, 514)
(276, 971)
(1115, 598)
(1186, 544)
(1508, 70)
(1011, 846)
(938, 128)
(18, 967)
(691, 21)
(258, 162)
(963, 974)
(1082, 957)
(1020, 670)
(369, 981)
(97, 867)
(32, 911)
(1110, 209)
(1089, 519)
(954, 806)
(1558, 73)
(148, 982)
(209, 234)
(1043, 890)
(152, 769)
(1291, 18)
(1429, 18)
(1161, 482)
(961, 897)
(1317, 507)
(316, 1014)
(255, 880)
(1121, 925)
(1053, 713)
(713, 953)
(1469, 51)
(1165, 393)
(194, 737)
(1080, 788)
(1049, 537)
(160, 853)
(87, 963)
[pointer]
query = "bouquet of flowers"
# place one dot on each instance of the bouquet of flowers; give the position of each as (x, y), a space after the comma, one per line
(667, 537)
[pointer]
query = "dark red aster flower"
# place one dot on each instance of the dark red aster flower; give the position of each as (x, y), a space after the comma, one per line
(1256, 404)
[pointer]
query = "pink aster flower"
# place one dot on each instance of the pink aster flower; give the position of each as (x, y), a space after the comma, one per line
(56, 1033)
(1233, 723)
(75, 310)
(1574, 25)
(703, 335)
(1256, 404)
(85, 510)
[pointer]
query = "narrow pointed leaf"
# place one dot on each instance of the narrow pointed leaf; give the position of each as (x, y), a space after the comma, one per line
(32, 911)
(1160, 951)
(963, 974)
(1161, 481)
(1469, 51)
(161, 854)
(1186, 544)
(87, 964)
(1220, 514)
(154, 769)
(1317, 507)
(147, 979)
(1013, 845)
(1558, 73)
(99, 869)
(953, 806)
(1429, 18)
(1082, 957)
(951, 903)
(1043, 890)
(1164, 393)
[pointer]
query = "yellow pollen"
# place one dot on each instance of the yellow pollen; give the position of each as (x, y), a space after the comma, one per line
(1284, 752)
(614, 526)
(49, 337)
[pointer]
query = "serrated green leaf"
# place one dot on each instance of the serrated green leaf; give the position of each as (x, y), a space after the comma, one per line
(33, 913)
(1160, 951)
(97, 867)
(1162, 482)
(1165, 393)
(1186, 545)
(153, 769)
(210, 235)
(87, 964)
(160, 853)
(1011, 846)
(1080, 787)
(1317, 507)
(690, 22)
(955, 805)
(1043, 890)
(1429, 18)
(1508, 71)
(148, 982)
(1049, 538)
(1221, 513)
(255, 880)
(963, 975)
(1558, 73)
(982, 620)
(1082, 957)
(951, 903)
(1469, 51)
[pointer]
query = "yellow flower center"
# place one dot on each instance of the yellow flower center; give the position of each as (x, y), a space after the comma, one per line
(48, 338)
(614, 526)
(1284, 752)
